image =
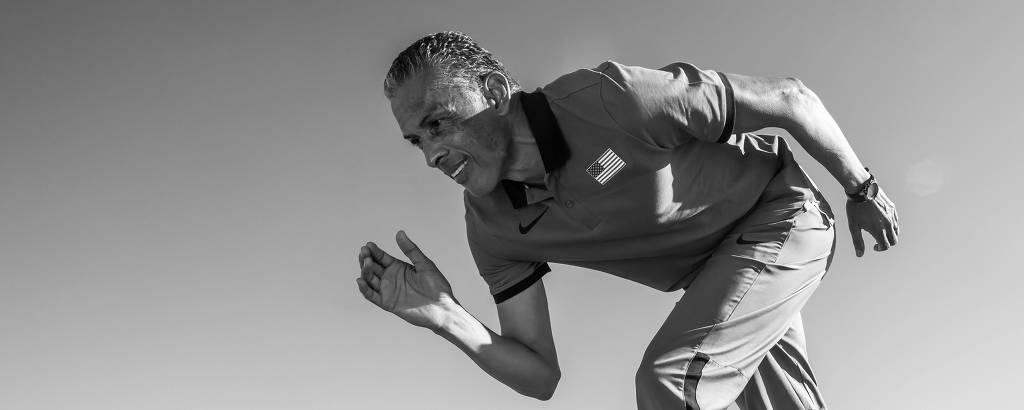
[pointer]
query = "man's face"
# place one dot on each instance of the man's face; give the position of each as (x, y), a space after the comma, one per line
(459, 133)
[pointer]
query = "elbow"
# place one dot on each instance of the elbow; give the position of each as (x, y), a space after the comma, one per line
(545, 388)
(548, 392)
(796, 94)
(799, 104)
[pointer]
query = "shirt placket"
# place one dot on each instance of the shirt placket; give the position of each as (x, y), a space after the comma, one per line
(576, 209)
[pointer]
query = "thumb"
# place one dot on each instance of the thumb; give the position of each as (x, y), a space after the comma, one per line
(414, 253)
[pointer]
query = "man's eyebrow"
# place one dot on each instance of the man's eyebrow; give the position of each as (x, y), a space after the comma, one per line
(411, 137)
(439, 111)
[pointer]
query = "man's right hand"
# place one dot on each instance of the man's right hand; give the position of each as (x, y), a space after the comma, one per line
(417, 293)
(524, 358)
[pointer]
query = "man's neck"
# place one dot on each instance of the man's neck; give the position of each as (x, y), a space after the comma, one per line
(524, 163)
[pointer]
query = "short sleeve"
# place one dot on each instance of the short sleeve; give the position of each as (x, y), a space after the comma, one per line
(506, 278)
(669, 106)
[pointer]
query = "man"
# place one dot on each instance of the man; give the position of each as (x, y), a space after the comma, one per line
(645, 174)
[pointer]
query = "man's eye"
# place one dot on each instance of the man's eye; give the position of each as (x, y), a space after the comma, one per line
(434, 127)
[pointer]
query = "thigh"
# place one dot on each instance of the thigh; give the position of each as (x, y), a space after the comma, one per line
(759, 275)
(739, 305)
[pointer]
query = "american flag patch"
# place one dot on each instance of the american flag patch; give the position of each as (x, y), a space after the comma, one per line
(606, 166)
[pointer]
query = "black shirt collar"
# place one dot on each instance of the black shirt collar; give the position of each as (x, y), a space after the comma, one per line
(544, 126)
(550, 142)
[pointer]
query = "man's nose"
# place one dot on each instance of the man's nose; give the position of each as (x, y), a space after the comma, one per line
(434, 153)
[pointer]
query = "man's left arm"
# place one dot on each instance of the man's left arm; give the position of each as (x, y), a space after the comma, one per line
(786, 103)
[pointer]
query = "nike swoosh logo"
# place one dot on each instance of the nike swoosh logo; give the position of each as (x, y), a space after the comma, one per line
(742, 241)
(524, 229)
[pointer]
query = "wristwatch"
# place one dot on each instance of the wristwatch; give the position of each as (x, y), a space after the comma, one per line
(866, 191)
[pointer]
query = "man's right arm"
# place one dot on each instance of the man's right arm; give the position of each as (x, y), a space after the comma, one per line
(522, 357)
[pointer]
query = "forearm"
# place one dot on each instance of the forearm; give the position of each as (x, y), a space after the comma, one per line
(817, 132)
(786, 103)
(508, 360)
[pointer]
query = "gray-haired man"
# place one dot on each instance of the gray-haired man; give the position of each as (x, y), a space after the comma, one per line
(645, 174)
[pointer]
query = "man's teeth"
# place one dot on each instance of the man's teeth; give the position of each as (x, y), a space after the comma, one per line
(459, 169)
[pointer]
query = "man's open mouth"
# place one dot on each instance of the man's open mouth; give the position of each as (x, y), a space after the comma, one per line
(458, 170)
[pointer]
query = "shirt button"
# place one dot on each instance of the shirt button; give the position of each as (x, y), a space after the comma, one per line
(569, 204)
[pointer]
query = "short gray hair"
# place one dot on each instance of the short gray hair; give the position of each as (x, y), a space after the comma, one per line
(452, 54)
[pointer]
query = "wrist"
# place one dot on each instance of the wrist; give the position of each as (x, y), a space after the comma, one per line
(855, 181)
(866, 191)
(448, 312)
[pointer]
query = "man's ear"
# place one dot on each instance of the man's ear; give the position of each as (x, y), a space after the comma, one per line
(497, 91)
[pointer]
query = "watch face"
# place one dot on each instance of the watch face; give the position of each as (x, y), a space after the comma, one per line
(872, 191)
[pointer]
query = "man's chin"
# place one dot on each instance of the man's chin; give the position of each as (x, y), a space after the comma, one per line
(478, 190)
(473, 192)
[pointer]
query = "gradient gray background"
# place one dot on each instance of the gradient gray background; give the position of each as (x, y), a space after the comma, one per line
(184, 187)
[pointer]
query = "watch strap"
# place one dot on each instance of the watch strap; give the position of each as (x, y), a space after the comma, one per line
(861, 195)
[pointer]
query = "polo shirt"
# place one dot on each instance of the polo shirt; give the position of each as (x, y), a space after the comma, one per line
(644, 179)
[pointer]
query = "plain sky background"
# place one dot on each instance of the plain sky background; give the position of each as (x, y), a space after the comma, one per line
(184, 187)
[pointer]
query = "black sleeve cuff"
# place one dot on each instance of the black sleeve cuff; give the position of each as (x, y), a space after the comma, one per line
(523, 284)
(730, 108)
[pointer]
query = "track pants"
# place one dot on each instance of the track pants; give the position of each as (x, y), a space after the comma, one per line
(736, 334)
